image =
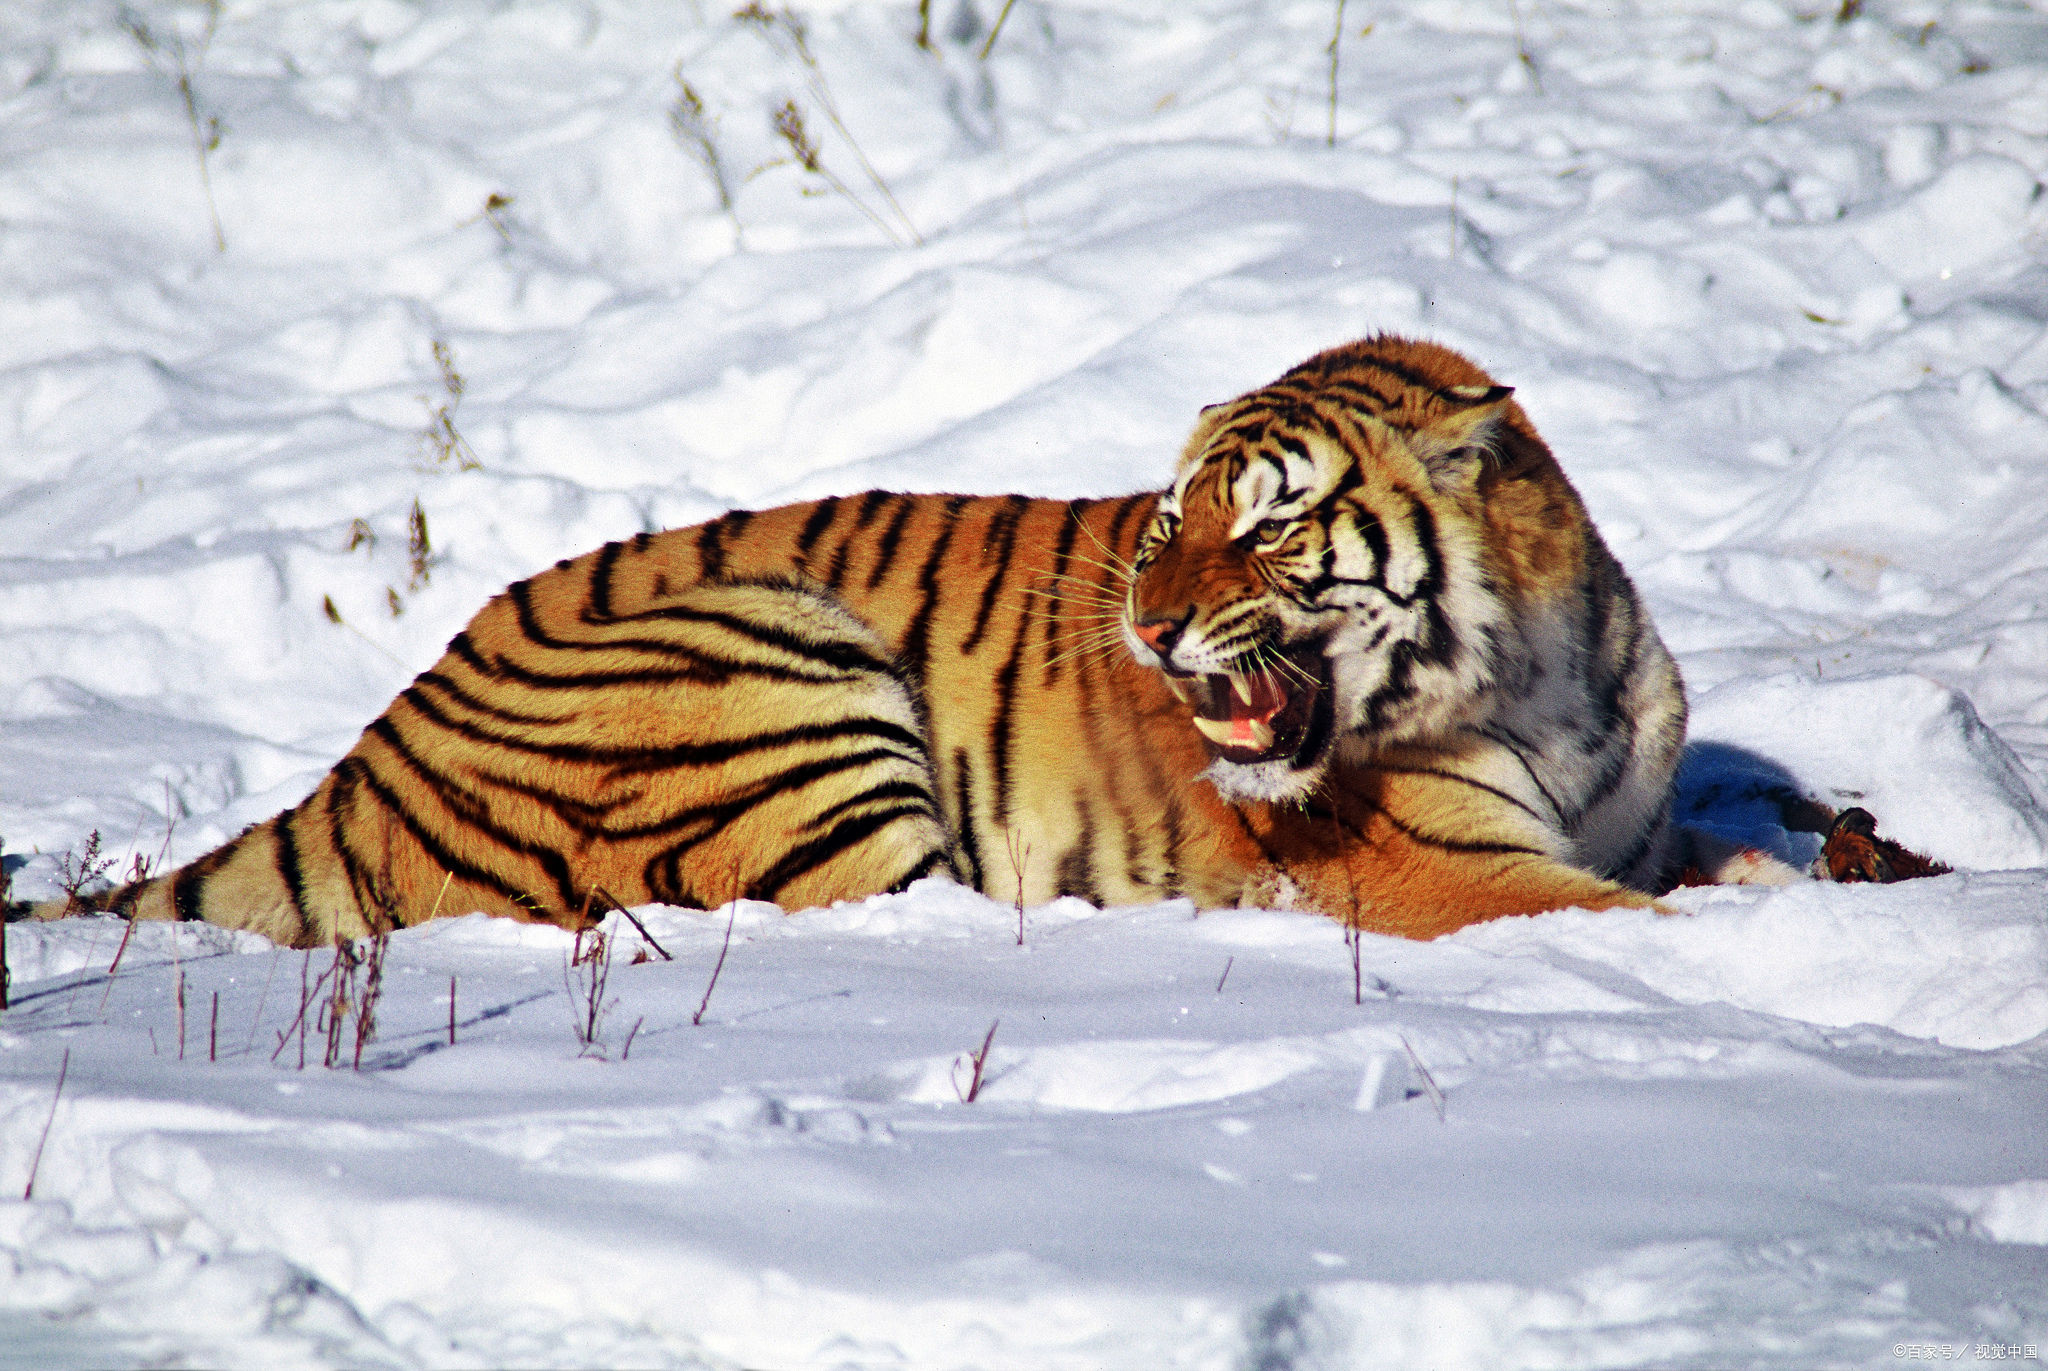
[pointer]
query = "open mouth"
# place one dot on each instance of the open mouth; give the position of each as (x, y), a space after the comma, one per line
(1259, 713)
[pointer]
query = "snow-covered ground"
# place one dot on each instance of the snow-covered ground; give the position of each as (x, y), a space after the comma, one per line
(1775, 286)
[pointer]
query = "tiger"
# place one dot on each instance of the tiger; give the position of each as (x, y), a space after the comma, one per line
(1365, 655)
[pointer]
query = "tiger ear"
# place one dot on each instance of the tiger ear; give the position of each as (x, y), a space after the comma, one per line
(1456, 446)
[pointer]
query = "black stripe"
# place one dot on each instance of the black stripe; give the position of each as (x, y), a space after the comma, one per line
(870, 504)
(970, 841)
(1077, 868)
(632, 760)
(916, 653)
(890, 790)
(1063, 548)
(711, 542)
(706, 670)
(288, 864)
(1170, 877)
(885, 552)
(466, 810)
(1458, 844)
(598, 608)
(1520, 748)
(1129, 505)
(1463, 780)
(462, 647)
(710, 818)
(411, 694)
(998, 541)
(187, 891)
(838, 653)
(346, 783)
(814, 529)
(999, 738)
(931, 862)
(806, 858)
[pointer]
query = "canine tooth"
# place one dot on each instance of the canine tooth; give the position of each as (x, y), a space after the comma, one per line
(1261, 737)
(1180, 689)
(1215, 730)
(1242, 685)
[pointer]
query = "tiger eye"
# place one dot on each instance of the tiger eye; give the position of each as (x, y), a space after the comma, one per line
(1271, 530)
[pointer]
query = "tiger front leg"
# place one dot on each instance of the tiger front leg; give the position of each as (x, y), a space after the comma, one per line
(1419, 852)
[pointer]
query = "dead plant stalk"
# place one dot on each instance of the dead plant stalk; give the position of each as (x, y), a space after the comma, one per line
(206, 138)
(979, 1059)
(786, 22)
(36, 1163)
(726, 946)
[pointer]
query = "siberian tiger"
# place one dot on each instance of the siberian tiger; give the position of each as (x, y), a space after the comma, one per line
(1365, 655)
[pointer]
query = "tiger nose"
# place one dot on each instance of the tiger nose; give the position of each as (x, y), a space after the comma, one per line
(1161, 634)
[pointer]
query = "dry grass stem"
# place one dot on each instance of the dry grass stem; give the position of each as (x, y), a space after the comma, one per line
(36, 1162)
(1336, 39)
(638, 927)
(698, 1017)
(979, 1059)
(584, 976)
(441, 439)
(255, 1022)
(785, 22)
(206, 134)
(1018, 857)
(696, 132)
(996, 32)
(1227, 964)
(419, 548)
(1429, 1088)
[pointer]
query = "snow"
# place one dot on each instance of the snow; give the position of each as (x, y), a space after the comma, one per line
(1771, 284)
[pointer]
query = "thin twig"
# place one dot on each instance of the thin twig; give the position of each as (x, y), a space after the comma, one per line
(1018, 857)
(445, 881)
(1522, 48)
(1336, 37)
(262, 1000)
(639, 927)
(698, 1017)
(990, 45)
(1226, 972)
(980, 1060)
(35, 1164)
(626, 1053)
(451, 1011)
(1429, 1088)
(213, 1031)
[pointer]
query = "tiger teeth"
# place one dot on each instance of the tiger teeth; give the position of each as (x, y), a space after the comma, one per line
(1238, 733)
(1180, 690)
(1242, 685)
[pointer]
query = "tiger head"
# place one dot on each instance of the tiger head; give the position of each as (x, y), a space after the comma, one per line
(1317, 578)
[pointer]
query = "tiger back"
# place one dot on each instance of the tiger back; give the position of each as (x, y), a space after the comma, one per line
(1365, 655)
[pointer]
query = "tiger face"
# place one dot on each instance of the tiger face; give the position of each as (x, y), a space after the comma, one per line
(1313, 582)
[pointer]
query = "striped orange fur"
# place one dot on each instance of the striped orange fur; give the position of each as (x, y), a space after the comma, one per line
(1365, 655)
